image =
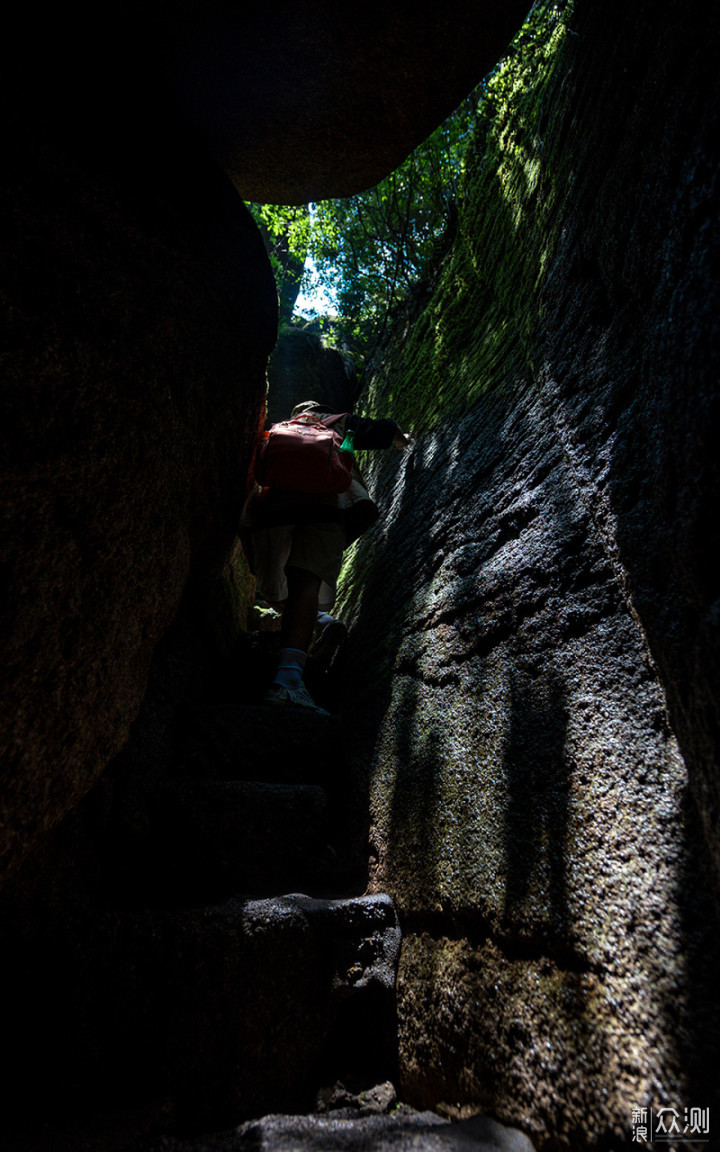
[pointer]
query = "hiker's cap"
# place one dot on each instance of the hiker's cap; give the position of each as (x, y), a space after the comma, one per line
(307, 406)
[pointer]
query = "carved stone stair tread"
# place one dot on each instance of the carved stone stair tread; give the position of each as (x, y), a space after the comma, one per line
(290, 745)
(404, 1131)
(209, 839)
(225, 1011)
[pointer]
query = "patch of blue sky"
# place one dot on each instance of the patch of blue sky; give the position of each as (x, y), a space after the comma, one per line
(315, 299)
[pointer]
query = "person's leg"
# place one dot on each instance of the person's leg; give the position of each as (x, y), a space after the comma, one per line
(298, 622)
(301, 608)
(271, 550)
(315, 558)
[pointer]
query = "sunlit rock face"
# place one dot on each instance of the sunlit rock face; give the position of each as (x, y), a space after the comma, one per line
(542, 600)
(141, 310)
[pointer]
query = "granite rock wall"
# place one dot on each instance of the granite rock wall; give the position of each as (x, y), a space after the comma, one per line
(140, 313)
(534, 621)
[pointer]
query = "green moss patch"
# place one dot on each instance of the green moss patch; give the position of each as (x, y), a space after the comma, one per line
(475, 329)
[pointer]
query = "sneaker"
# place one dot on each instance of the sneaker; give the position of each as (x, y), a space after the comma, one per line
(295, 697)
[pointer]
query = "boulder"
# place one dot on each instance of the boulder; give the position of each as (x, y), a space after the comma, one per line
(141, 311)
(297, 103)
(219, 1011)
(354, 1131)
(533, 622)
(305, 102)
(304, 367)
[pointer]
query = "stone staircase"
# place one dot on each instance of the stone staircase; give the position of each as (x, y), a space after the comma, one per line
(221, 971)
(227, 964)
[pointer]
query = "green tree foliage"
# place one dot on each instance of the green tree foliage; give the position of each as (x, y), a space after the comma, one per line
(367, 251)
(374, 246)
(286, 231)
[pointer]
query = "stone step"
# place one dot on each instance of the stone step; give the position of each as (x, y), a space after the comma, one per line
(406, 1130)
(210, 839)
(286, 745)
(223, 1012)
(290, 746)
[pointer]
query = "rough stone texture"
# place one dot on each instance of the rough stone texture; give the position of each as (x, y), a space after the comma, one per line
(544, 746)
(220, 1012)
(139, 313)
(406, 1131)
(537, 615)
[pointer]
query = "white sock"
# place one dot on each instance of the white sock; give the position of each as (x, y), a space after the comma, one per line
(290, 667)
(324, 619)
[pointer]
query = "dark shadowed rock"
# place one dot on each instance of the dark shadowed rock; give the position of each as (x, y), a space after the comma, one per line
(299, 103)
(304, 367)
(138, 963)
(315, 101)
(141, 311)
(534, 681)
(213, 838)
(218, 1011)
